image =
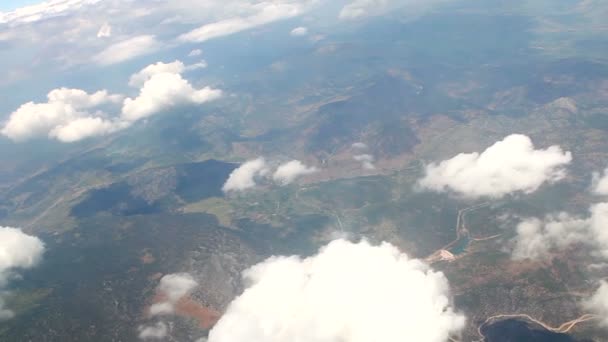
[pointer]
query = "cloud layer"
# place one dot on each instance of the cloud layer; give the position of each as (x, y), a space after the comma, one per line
(347, 292)
(510, 165)
(17, 251)
(263, 13)
(127, 49)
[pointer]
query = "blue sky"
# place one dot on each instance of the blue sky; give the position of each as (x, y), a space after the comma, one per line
(8, 5)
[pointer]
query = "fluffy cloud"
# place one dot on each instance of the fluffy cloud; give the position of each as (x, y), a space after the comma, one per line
(138, 79)
(17, 251)
(366, 160)
(153, 332)
(163, 90)
(598, 304)
(288, 172)
(72, 114)
(65, 116)
(537, 238)
(299, 31)
(127, 49)
(347, 292)
(81, 128)
(510, 165)
(244, 177)
(172, 288)
(264, 13)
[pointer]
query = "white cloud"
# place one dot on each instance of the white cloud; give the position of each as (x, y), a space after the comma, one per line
(598, 224)
(359, 146)
(127, 49)
(510, 165)
(42, 11)
(162, 91)
(138, 79)
(362, 8)
(65, 111)
(299, 31)
(244, 177)
(85, 127)
(195, 53)
(202, 64)
(172, 287)
(598, 304)
(600, 183)
(366, 160)
(153, 332)
(17, 251)
(347, 292)
(72, 114)
(358, 9)
(105, 31)
(288, 172)
(264, 13)
(536, 238)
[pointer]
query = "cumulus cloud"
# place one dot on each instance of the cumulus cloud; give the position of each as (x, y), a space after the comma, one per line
(17, 251)
(299, 31)
(244, 177)
(72, 114)
(195, 53)
(139, 78)
(163, 89)
(366, 160)
(288, 172)
(346, 292)
(510, 165)
(84, 127)
(537, 239)
(264, 13)
(65, 116)
(153, 332)
(598, 304)
(127, 49)
(172, 288)
(105, 31)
